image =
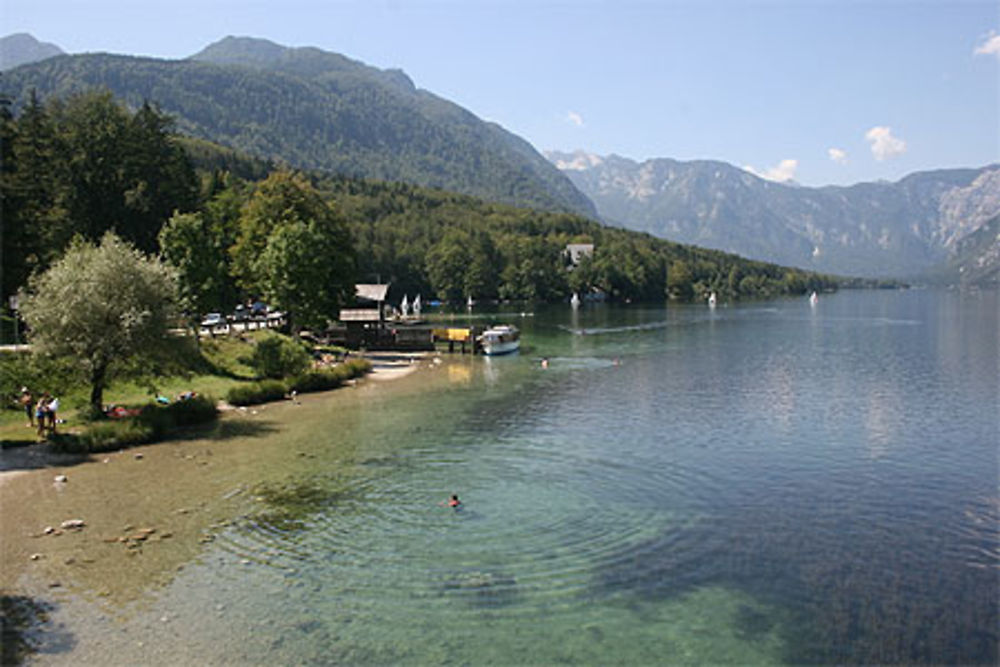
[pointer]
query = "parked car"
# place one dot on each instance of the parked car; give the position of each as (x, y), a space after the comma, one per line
(241, 314)
(258, 310)
(213, 320)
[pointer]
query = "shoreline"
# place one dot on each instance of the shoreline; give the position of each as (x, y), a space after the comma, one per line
(181, 490)
(24, 459)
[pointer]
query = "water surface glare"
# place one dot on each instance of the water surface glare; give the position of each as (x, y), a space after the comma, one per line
(757, 484)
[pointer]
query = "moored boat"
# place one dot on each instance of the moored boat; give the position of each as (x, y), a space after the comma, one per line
(501, 339)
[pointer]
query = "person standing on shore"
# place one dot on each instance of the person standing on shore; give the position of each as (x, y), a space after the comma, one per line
(42, 413)
(27, 402)
(53, 408)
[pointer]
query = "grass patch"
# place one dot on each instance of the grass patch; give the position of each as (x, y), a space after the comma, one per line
(153, 423)
(222, 366)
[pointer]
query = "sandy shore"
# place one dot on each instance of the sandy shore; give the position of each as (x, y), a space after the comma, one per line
(179, 489)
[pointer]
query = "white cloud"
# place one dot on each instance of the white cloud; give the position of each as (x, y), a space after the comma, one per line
(838, 155)
(574, 118)
(883, 144)
(783, 171)
(989, 47)
(577, 161)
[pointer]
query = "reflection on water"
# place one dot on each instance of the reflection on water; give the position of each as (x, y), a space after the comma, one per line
(749, 485)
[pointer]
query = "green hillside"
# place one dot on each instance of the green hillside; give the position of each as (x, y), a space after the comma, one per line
(237, 226)
(317, 110)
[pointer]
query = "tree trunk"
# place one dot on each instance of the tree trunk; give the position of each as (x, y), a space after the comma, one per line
(97, 375)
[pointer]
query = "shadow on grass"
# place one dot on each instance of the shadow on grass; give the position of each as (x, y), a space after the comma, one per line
(27, 630)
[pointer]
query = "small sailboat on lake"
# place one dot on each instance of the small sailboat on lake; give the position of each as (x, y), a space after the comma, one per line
(813, 299)
(711, 300)
(575, 300)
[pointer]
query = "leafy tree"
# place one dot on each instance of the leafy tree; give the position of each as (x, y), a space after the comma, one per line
(534, 270)
(201, 265)
(32, 214)
(295, 250)
(103, 305)
(278, 356)
(679, 281)
(447, 262)
(86, 165)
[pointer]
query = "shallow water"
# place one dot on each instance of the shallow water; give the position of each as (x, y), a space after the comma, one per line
(762, 483)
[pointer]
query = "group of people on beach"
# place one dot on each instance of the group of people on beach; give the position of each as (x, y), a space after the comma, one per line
(41, 414)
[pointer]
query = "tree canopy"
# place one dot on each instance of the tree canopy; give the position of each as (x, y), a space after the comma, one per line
(294, 250)
(84, 166)
(102, 304)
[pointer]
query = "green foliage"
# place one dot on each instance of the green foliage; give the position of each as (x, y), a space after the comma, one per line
(317, 110)
(188, 246)
(277, 356)
(191, 411)
(106, 436)
(153, 423)
(257, 392)
(38, 373)
(101, 305)
(85, 166)
(295, 250)
(318, 380)
(331, 378)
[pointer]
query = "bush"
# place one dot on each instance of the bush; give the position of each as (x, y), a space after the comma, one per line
(257, 392)
(195, 410)
(154, 422)
(355, 368)
(330, 378)
(316, 381)
(277, 357)
(111, 435)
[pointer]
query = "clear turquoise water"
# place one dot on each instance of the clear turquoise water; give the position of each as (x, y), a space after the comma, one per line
(762, 483)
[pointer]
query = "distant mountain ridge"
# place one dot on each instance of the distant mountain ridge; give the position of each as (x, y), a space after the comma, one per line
(872, 229)
(21, 48)
(319, 110)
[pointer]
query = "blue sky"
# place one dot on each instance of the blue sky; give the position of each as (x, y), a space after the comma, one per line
(825, 92)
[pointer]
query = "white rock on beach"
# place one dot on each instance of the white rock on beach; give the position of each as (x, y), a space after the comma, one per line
(72, 523)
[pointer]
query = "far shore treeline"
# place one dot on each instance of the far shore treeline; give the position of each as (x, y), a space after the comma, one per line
(236, 227)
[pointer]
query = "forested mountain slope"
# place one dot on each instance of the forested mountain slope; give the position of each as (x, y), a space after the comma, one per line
(317, 110)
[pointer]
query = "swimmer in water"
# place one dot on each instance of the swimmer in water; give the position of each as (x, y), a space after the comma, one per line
(452, 502)
(545, 362)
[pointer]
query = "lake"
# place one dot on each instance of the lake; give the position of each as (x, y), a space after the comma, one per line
(762, 483)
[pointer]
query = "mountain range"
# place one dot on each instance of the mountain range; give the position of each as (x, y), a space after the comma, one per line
(320, 110)
(21, 48)
(870, 229)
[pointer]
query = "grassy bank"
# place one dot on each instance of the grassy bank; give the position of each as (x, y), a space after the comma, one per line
(225, 367)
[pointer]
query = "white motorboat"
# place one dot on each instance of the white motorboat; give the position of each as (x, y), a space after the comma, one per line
(501, 339)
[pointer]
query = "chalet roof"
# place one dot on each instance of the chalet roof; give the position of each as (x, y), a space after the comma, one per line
(371, 292)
